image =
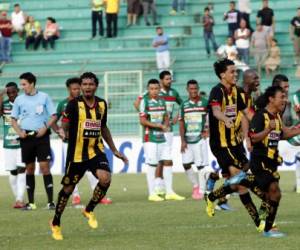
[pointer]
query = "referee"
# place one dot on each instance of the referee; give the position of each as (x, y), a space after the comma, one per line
(32, 115)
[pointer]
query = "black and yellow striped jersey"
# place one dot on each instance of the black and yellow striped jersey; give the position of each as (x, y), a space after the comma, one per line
(230, 103)
(85, 124)
(268, 147)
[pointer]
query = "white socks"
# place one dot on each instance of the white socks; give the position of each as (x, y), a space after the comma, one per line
(151, 179)
(168, 177)
(13, 184)
(21, 186)
(298, 174)
(192, 176)
(92, 179)
(203, 175)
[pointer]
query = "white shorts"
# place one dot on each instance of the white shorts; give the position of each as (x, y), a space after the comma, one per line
(18, 27)
(155, 152)
(12, 159)
(196, 153)
(163, 60)
(269, 30)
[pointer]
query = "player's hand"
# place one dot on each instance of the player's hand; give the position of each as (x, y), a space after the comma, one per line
(164, 128)
(272, 125)
(41, 132)
(22, 134)
(3, 92)
(175, 120)
(121, 156)
(183, 146)
(249, 144)
(297, 108)
(204, 134)
(229, 122)
(61, 133)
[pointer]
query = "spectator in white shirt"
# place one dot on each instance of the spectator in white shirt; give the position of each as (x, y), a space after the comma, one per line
(18, 19)
(245, 11)
(242, 41)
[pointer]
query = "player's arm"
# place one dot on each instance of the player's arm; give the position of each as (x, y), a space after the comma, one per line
(144, 122)
(137, 103)
(245, 130)
(2, 93)
(289, 132)
(15, 113)
(258, 132)
(182, 132)
(222, 117)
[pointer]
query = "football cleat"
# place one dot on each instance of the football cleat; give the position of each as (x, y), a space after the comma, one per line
(92, 221)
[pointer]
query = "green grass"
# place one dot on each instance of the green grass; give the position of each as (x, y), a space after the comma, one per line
(134, 223)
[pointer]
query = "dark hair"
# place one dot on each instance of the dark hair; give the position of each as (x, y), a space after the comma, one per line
(159, 28)
(206, 9)
(153, 81)
(191, 82)
(29, 77)
(51, 19)
(278, 79)
(221, 66)
(274, 40)
(11, 84)
(72, 80)
(232, 2)
(163, 74)
(17, 5)
(263, 100)
(89, 75)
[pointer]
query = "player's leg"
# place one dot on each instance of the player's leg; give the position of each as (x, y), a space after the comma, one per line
(159, 181)
(21, 179)
(298, 173)
(10, 166)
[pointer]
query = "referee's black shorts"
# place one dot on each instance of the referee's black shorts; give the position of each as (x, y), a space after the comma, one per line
(265, 171)
(76, 170)
(34, 148)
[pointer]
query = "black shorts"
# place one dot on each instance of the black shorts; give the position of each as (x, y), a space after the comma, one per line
(76, 170)
(35, 148)
(231, 156)
(265, 171)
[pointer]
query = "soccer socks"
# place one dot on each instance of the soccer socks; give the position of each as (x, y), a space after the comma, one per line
(76, 191)
(48, 183)
(13, 183)
(92, 179)
(21, 186)
(151, 179)
(298, 174)
(30, 185)
(62, 201)
(250, 207)
(273, 206)
(220, 192)
(192, 176)
(168, 177)
(203, 177)
(99, 193)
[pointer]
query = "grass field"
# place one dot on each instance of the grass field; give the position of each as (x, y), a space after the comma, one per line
(134, 223)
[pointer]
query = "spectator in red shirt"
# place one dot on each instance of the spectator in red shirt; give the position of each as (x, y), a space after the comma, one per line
(5, 41)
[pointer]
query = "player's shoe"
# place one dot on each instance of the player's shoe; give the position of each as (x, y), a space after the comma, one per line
(223, 207)
(210, 207)
(51, 206)
(155, 198)
(196, 195)
(56, 232)
(262, 224)
(273, 234)
(29, 206)
(76, 200)
(160, 191)
(92, 221)
(19, 204)
(174, 197)
(106, 201)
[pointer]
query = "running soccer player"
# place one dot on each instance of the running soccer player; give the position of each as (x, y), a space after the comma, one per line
(11, 144)
(73, 86)
(194, 146)
(154, 118)
(84, 123)
(266, 130)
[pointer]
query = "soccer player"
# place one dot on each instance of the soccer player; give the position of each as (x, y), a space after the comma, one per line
(73, 86)
(32, 115)
(11, 144)
(155, 120)
(194, 146)
(85, 126)
(225, 102)
(266, 130)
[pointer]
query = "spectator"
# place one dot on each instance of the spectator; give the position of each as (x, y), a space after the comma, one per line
(112, 10)
(18, 19)
(133, 9)
(295, 36)
(245, 11)
(33, 32)
(175, 7)
(230, 51)
(259, 46)
(208, 34)
(242, 41)
(265, 17)
(97, 13)
(161, 44)
(233, 18)
(51, 33)
(5, 41)
(149, 5)
(273, 60)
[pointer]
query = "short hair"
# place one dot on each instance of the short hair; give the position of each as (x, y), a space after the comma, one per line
(232, 2)
(28, 76)
(11, 84)
(72, 80)
(278, 79)
(152, 81)
(164, 73)
(51, 19)
(16, 5)
(220, 66)
(89, 75)
(274, 40)
(191, 82)
(159, 28)
(206, 9)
